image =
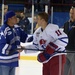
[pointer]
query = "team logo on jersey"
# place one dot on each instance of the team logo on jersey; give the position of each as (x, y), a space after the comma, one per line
(9, 33)
(43, 43)
(37, 34)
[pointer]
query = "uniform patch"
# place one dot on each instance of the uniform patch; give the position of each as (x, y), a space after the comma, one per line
(9, 33)
(37, 34)
(42, 43)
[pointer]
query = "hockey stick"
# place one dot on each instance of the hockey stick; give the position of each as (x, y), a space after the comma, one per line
(43, 50)
(30, 49)
(39, 50)
(15, 50)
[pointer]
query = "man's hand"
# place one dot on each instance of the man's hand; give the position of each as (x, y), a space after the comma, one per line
(19, 50)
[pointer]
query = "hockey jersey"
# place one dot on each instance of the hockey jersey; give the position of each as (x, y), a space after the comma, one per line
(50, 35)
(10, 39)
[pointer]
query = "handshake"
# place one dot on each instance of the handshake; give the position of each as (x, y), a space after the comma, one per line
(18, 49)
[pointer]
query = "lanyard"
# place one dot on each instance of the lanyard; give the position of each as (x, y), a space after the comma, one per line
(70, 25)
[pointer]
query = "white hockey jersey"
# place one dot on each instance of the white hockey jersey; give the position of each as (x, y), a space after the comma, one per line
(51, 34)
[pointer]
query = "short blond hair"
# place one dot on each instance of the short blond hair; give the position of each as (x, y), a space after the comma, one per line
(44, 16)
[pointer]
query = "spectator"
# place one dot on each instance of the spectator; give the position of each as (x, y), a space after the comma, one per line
(25, 23)
(36, 5)
(10, 37)
(35, 23)
(18, 19)
(28, 6)
(42, 4)
(49, 38)
(69, 29)
(5, 10)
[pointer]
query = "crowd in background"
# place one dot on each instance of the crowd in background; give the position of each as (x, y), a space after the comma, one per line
(23, 21)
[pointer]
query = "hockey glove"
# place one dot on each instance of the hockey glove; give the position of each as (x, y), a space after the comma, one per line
(45, 55)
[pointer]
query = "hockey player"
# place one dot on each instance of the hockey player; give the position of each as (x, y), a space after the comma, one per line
(50, 39)
(10, 37)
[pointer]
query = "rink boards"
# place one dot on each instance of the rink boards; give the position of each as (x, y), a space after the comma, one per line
(28, 56)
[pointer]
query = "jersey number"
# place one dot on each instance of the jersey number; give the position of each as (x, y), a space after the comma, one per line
(58, 32)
